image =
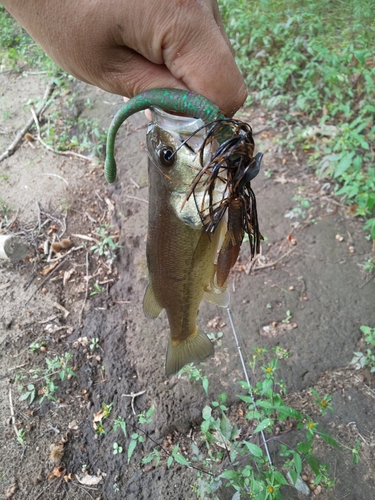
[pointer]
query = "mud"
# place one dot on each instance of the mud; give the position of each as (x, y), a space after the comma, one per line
(303, 269)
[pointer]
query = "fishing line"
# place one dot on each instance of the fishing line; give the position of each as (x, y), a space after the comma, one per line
(247, 380)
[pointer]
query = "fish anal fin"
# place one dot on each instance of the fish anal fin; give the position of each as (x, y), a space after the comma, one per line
(151, 306)
(196, 348)
(219, 296)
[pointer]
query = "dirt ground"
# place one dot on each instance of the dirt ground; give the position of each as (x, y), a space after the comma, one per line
(310, 266)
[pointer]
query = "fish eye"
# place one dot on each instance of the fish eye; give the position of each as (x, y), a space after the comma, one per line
(167, 156)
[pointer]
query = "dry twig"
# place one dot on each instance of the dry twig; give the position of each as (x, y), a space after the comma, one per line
(61, 153)
(45, 103)
(133, 396)
(87, 290)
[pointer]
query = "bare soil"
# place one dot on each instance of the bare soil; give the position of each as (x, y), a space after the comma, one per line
(310, 265)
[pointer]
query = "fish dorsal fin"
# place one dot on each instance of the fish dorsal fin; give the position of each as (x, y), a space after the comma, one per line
(151, 306)
(219, 299)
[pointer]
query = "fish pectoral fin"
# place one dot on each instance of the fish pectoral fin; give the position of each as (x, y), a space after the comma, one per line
(151, 306)
(220, 299)
(197, 348)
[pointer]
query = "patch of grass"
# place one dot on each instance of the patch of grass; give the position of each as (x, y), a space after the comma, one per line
(315, 63)
(18, 49)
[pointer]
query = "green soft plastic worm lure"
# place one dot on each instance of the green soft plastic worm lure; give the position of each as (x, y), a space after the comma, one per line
(180, 101)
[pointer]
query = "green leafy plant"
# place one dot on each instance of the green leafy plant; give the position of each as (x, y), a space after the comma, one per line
(98, 289)
(228, 455)
(106, 246)
(94, 344)
(57, 368)
(18, 49)
(35, 346)
(323, 402)
(137, 437)
(216, 338)
(117, 449)
(361, 359)
(288, 317)
(29, 394)
(194, 373)
(369, 265)
(21, 436)
(314, 65)
(120, 423)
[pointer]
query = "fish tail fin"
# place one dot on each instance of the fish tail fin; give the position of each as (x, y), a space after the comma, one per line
(197, 347)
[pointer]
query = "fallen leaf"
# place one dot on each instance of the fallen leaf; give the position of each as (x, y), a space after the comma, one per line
(67, 275)
(89, 480)
(11, 491)
(83, 341)
(98, 417)
(48, 269)
(57, 472)
(73, 425)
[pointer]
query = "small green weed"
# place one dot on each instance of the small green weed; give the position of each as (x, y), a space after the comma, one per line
(21, 436)
(106, 245)
(57, 368)
(194, 373)
(369, 265)
(288, 317)
(216, 338)
(29, 393)
(35, 346)
(94, 344)
(368, 358)
(136, 437)
(98, 289)
(117, 449)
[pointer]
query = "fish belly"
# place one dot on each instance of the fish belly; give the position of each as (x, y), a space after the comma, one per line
(181, 269)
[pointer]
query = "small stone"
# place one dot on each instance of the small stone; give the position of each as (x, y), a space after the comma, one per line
(291, 288)
(351, 249)
(318, 490)
(300, 485)
(339, 237)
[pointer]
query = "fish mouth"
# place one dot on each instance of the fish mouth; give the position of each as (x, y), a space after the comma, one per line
(176, 124)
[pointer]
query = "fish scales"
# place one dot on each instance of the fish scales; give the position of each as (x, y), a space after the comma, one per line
(180, 254)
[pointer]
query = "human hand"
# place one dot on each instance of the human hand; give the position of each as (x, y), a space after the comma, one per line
(128, 46)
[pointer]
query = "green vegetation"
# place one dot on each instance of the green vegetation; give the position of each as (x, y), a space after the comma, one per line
(62, 130)
(57, 368)
(314, 63)
(229, 452)
(368, 358)
(105, 246)
(18, 49)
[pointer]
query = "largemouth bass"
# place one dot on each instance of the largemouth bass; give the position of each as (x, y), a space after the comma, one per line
(181, 255)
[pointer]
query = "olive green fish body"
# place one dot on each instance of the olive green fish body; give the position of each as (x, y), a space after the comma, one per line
(180, 254)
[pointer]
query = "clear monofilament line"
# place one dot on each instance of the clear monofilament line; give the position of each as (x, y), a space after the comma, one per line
(247, 379)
